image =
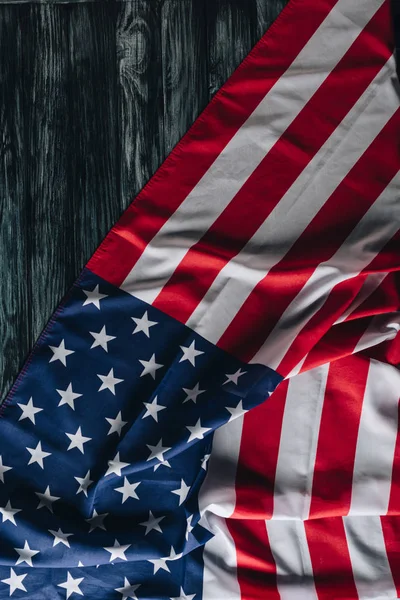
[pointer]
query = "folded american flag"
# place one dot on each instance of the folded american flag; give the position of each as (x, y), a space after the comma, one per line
(212, 410)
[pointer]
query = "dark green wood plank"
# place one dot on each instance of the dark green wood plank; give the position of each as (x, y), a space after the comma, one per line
(233, 28)
(53, 2)
(267, 12)
(184, 61)
(140, 100)
(46, 128)
(15, 338)
(93, 152)
(231, 33)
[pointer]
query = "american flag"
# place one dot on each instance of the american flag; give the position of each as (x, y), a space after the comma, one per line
(212, 411)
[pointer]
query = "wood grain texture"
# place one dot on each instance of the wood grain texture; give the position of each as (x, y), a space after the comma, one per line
(267, 12)
(93, 96)
(185, 65)
(93, 148)
(49, 218)
(140, 101)
(15, 326)
(231, 33)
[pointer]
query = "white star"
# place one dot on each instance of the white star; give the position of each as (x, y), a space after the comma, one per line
(161, 563)
(46, 499)
(183, 596)
(157, 451)
(234, 377)
(204, 461)
(96, 521)
(190, 353)
(117, 551)
(8, 512)
(197, 432)
(109, 382)
(116, 424)
(191, 394)
(68, 396)
(115, 466)
(128, 590)
(72, 585)
(93, 297)
(152, 408)
(15, 581)
(143, 324)
(238, 411)
(150, 367)
(128, 490)
(173, 555)
(60, 353)
(25, 554)
(28, 411)
(152, 523)
(3, 469)
(163, 463)
(189, 527)
(60, 537)
(182, 492)
(101, 339)
(37, 455)
(77, 440)
(84, 483)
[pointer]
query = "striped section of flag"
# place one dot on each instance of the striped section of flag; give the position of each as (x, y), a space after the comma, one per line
(278, 210)
(279, 244)
(319, 515)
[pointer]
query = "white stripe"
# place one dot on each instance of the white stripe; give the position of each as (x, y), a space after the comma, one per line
(371, 283)
(298, 444)
(382, 327)
(248, 147)
(294, 571)
(376, 441)
(297, 207)
(372, 232)
(296, 370)
(217, 494)
(217, 499)
(219, 558)
(371, 570)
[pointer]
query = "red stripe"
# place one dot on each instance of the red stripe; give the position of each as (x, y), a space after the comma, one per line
(391, 535)
(256, 570)
(338, 301)
(388, 257)
(387, 352)
(340, 298)
(333, 574)
(321, 239)
(254, 488)
(339, 342)
(385, 299)
(206, 139)
(342, 339)
(278, 171)
(336, 450)
(260, 437)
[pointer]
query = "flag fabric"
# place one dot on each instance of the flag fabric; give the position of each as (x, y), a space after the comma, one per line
(212, 411)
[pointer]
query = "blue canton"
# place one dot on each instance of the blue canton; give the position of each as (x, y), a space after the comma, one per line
(104, 443)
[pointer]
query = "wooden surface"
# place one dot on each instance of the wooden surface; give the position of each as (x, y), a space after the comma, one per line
(93, 96)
